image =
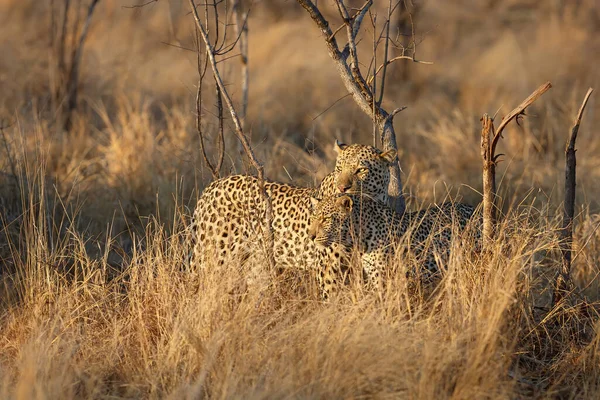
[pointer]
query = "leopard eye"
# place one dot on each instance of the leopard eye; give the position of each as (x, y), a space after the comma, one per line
(362, 170)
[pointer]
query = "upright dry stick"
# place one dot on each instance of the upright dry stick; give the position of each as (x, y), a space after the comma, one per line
(489, 190)
(489, 141)
(563, 279)
(239, 132)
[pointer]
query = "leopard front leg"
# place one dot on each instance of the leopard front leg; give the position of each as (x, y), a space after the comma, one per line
(331, 266)
(373, 265)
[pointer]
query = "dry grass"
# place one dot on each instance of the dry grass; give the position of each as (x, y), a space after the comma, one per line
(94, 303)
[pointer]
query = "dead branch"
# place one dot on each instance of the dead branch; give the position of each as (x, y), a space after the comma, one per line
(489, 139)
(489, 190)
(563, 280)
(219, 96)
(239, 132)
(374, 63)
(214, 169)
(518, 111)
(385, 53)
(241, 31)
(390, 61)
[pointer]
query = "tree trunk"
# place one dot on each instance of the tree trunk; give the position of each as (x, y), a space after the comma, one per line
(388, 138)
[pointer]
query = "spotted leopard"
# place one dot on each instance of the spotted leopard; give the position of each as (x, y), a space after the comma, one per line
(375, 230)
(231, 211)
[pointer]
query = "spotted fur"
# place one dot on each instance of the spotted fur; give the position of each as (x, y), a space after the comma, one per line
(361, 169)
(229, 219)
(230, 213)
(374, 230)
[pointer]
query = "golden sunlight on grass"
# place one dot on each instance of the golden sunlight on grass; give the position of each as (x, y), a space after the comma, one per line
(95, 297)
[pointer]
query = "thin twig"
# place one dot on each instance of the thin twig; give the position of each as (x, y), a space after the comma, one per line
(384, 65)
(177, 46)
(219, 97)
(342, 26)
(374, 86)
(390, 117)
(385, 55)
(141, 5)
(242, 34)
(201, 73)
(331, 106)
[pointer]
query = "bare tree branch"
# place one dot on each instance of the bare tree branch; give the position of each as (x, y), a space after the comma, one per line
(201, 73)
(519, 110)
(347, 65)
(359, 17)
(141, 5)
(384, 65)
(219, 96)
(241, 28)
(267, 234)
(385, 55)
(352, 28)
(374, 63)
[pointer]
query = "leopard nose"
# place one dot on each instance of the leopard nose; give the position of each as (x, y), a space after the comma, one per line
(312, 235)
(343, 187)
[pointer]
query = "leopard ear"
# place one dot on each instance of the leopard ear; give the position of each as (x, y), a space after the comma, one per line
(389, 156)
(339, 146)
(314, 201)
(345, 203)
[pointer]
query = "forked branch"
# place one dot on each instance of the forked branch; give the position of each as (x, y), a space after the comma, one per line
(489, 140)
(348, 67)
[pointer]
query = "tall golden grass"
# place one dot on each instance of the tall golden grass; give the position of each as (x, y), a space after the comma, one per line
(94, 299)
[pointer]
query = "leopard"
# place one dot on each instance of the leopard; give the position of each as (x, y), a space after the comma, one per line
(230, 213)
(361, 169)
(375, 231)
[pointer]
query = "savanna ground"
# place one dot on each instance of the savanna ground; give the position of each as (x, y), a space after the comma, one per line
(94, 302)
